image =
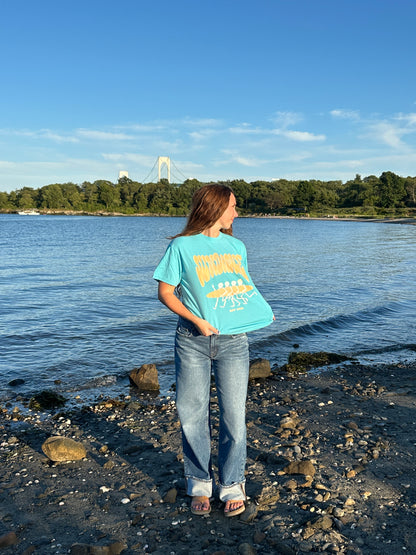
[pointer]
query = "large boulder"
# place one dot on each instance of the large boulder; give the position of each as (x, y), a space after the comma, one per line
(300, 363)
(301, 467)
(46, 400)
(59, 449)
(259, 368)
(145, 378)
(85, 549)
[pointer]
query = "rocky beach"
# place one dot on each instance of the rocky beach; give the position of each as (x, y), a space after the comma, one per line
(330, 469)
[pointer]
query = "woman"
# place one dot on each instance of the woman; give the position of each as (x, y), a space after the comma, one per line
(203, 278)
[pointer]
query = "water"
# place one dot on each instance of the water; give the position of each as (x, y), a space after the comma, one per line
(78, 303)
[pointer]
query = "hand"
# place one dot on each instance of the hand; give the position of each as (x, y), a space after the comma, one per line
(205, 328)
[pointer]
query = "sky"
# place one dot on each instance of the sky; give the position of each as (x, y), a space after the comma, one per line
(228, 89)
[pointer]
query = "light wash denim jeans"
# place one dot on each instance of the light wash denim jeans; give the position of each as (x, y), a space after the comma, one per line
(195, 357)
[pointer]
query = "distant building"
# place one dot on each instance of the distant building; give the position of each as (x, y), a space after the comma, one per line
(123, 174)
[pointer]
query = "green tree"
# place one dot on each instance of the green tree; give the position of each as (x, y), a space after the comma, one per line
(182, 195)
(72, 194)
(127, 189)
(410, 187)
(305, 195)
(12, 198)
(51, 197)
(392, 191)
(89, 192)
(242, 191)
(160, 198)
(4, 201)
(26, 198)
(108, 195)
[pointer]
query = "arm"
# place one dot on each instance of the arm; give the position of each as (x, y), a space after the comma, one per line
(166, 295)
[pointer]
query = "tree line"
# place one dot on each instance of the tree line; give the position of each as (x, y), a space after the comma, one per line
(387, 194)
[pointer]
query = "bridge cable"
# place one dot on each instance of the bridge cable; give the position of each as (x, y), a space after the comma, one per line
(154, 165)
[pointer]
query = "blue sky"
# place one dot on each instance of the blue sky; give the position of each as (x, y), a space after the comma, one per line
(265, 89)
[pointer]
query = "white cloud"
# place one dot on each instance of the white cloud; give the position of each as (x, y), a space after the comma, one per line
(340, 164)
(202, 134)
(247, 129)
(287, 119)
(127, 157)
(6, 165)
(237, 157)
(410, 119)
(345, 114)
(40, 134)
(301, 136)
(143, 128)
(243, 161)
(201, 122)
(387, 133)
(47, 134)
(103, 135)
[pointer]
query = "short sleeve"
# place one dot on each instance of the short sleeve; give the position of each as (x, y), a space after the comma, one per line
(169, 269)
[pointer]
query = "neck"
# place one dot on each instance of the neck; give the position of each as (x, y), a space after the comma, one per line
(213, 231)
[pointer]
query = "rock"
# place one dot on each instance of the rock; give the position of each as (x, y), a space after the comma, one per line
(321, 523)
(280, 547)
(145, 378)
(250, 513)
(170, 496)
(246, 549)
(8, 539)
(46, 400)
(17, 382)
(269, 496)
(289, 423)
(84, 549)
(324, 522)
(301, 467)
(291, 485)
(59, 449)
(302, 362)
(259, 537)
(259, 368)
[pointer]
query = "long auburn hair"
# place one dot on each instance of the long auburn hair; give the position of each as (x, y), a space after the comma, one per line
(208, 205)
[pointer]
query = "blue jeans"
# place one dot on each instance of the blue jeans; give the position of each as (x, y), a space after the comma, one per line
(196, 356)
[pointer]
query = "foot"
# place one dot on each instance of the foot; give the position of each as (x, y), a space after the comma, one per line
(234, 508)
(200, 505)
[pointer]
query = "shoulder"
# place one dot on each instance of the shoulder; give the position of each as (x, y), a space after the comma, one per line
(183, 241)
(233, 242)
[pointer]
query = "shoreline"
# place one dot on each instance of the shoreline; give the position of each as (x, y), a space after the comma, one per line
(355, 218)
(352, 426)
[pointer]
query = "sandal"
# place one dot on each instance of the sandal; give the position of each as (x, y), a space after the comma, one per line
(200, 505)
(237, 510)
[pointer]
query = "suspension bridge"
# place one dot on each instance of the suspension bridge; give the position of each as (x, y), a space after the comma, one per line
(163, 168)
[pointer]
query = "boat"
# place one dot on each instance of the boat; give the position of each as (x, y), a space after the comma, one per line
(29, 213)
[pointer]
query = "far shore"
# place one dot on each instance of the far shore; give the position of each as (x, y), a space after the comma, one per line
(329, 217)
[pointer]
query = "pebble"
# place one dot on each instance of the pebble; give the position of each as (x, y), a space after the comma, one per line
(8, 539)
(246, 549)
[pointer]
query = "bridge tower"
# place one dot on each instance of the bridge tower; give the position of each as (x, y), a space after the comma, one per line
(163, 161)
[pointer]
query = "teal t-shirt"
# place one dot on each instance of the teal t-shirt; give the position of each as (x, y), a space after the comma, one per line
(214, 282)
